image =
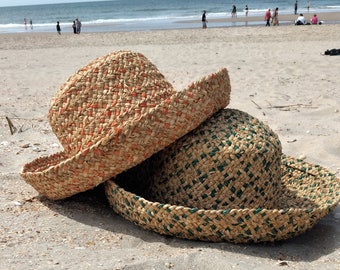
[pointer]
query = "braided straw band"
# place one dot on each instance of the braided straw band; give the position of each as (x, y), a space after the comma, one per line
(141, 135)
(305, 193)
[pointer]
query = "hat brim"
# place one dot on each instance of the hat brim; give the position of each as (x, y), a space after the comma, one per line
(64, 174)
(309, 192)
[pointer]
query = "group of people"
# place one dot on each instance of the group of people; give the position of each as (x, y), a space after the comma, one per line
(25, 23)
(296, 6)
(76, 27)
(272, 18)
(302, 21)
(234, 11)
(233, 15)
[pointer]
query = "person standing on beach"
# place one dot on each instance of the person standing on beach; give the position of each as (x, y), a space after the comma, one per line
(275, 17)
(78, 26)
(233, 12)
(246, 10)
(74, 26)
(267, 17)
(295, 7)
(25, 23)
(31, 24)
(308, 6)
(204, 20)
(58, 28)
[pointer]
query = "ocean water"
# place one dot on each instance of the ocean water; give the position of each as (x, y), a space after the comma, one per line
(135, 15)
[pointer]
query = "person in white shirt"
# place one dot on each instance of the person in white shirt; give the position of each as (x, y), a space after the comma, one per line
(300, 20)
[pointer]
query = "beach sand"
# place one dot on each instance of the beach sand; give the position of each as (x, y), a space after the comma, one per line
(278, 74)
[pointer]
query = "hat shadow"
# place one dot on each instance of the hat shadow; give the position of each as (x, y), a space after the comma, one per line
(92, 208)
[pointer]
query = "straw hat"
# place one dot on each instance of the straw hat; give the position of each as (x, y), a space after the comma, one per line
(114, 113)
(227, 180)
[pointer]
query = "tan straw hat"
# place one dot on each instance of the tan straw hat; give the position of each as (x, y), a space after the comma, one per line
(114, 113)
(227, 180)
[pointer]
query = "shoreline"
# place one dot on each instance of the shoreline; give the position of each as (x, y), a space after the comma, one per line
(324, 16)
(241, 21)
(23, 41)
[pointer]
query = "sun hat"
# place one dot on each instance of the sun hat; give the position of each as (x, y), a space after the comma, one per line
(227, 180)
(114, 113)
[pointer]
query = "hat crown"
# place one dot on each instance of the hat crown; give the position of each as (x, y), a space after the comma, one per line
(115, 113)
(193, 197)
(103, 95)
(231, 161)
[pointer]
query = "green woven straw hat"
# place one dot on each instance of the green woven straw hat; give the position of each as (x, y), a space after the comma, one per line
(227, 180)
(113, 114)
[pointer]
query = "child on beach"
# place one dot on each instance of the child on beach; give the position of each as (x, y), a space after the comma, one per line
(74, 27)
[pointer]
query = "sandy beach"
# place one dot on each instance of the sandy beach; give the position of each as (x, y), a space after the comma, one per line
(278, 74)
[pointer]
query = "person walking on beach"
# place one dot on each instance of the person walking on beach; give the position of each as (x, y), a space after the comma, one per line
(78, 26)
(31, 24)
(275, 17)
(295, 7)
(267, 17)
(204, 20)
(58, 28)
(233, 12)
(74, 26)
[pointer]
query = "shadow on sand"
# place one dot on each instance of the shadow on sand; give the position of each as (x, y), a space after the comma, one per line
(91, 208)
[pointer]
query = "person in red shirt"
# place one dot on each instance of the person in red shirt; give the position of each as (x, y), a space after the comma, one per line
(314, 19)
(267, 17)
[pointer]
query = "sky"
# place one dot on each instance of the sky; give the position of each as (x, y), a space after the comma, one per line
(5, 3)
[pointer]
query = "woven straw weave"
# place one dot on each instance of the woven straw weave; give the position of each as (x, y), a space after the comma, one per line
(103, 96)
(220, 206)
(231, 145)
(114, 114)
